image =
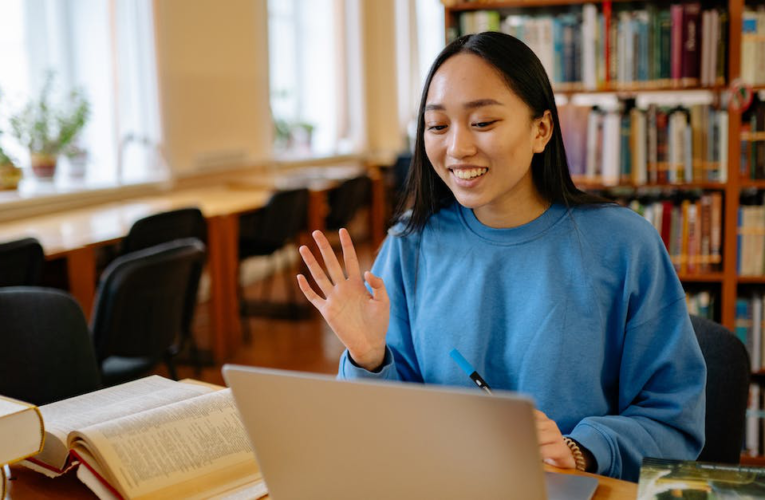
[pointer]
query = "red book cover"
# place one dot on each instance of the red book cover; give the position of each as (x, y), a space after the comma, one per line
(691, 43)
(606, 38)
(662, 148)
(666, 223)
(676, 41)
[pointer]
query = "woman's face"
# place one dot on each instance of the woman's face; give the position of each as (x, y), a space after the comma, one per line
(480, 138)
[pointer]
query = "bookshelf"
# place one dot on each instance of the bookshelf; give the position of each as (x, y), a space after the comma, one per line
(725, 279)
(728, 284)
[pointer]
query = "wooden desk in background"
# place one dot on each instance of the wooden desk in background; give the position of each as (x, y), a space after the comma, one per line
(29, 485)
(76, 234)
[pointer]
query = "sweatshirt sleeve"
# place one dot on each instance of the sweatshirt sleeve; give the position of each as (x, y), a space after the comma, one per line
(394, 266)
(662, 378)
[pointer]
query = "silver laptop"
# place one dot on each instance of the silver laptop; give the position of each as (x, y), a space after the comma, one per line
(316, 437)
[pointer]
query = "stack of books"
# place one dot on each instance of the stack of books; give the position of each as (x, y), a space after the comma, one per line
(21, 435)
(151, 438)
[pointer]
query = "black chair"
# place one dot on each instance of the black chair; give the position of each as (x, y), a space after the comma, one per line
(728, 373)
(346, 199)
(141, 307)
(21, 262)
(47, 353)
(165, 227)
(262, 233)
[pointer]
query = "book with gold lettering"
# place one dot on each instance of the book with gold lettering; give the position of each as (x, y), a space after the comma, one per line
(150, 439)
(21, 430)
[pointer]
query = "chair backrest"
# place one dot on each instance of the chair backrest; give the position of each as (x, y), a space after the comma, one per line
(271, 227)
(165, 227)
(46, 353)
(346, 199)
(728, 373)
(21, 262)
(142, 299)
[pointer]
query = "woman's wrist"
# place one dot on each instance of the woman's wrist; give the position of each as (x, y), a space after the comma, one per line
(371, 361)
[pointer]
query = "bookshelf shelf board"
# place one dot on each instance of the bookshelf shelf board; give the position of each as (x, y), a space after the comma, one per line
(749, 183)
(749, 280)
(568, 89)
(586, 185)
(702, 278)
(510, 4)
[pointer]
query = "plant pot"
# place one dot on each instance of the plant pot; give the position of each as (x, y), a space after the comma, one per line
(10, 175)
(43, 166)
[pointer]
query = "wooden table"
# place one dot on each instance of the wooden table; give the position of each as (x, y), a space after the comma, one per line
(29, 485)
(76, 234)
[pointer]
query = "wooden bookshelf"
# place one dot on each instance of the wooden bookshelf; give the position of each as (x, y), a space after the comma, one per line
(726, 282)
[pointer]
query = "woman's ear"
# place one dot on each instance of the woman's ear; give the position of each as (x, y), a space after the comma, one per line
(543, 129)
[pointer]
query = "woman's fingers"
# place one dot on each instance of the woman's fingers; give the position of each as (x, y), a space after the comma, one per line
(330, 259)
(312, 296)
(378, 287)
(316, 271)
(349, 255)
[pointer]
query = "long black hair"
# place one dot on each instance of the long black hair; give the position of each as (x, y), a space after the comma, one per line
(425, 193)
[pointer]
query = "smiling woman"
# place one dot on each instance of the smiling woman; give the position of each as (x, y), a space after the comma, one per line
(544, 289)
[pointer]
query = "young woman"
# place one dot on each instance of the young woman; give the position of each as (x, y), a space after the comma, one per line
(544, 289)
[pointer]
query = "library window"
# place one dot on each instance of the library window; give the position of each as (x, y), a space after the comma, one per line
(106, 51)
(308, 71)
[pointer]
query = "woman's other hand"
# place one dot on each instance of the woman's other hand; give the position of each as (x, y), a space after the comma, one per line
(553, 449)
(358, 318)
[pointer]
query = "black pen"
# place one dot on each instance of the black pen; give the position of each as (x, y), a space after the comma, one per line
(467, 368)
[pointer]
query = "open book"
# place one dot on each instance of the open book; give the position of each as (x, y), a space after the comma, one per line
(21, 430)
(152, 438)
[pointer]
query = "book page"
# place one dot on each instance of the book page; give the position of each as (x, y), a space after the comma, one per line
(191, 447)
(63, 417)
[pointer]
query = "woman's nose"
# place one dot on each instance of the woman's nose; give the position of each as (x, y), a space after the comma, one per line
(461, 144)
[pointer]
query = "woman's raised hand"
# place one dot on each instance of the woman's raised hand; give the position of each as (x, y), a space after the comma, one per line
(358, 318)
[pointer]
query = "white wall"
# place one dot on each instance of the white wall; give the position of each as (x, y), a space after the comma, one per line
(213, 74)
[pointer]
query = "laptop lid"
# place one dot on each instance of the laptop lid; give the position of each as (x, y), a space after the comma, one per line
(316, 437)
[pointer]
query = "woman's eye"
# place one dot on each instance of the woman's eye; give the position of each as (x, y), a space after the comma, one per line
(436, 127)
(484, 124)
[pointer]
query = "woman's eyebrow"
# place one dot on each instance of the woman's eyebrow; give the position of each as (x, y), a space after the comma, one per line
(479, 103)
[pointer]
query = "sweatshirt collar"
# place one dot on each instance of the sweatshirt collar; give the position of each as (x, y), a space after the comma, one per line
(515, 235)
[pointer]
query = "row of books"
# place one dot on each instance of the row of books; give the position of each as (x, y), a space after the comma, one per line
(749, 326)
(690, 228)
(674, 45)
(753, 46)
(659, 145)
(750, 260)
(753, 139)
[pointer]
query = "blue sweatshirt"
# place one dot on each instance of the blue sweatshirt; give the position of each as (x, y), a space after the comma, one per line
(580, 309)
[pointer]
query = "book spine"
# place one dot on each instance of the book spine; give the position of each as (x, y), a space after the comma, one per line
(691, 41)
(676, 13)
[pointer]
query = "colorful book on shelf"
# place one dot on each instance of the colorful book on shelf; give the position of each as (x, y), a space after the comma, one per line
(22, 433)
(151, 438)
(660, 478)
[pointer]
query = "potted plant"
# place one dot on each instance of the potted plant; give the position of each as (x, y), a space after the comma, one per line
(10, 174)
(46, 129)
